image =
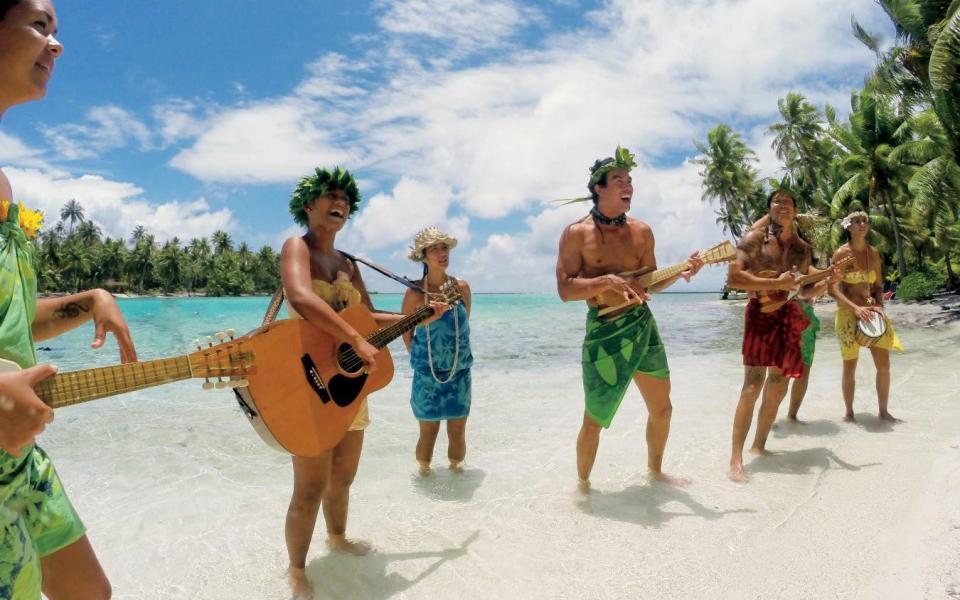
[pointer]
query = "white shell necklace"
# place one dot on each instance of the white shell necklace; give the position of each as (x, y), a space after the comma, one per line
(456, 342)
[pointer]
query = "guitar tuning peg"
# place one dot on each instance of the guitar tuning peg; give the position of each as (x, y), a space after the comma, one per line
(209, 341)
(207, 385)
(196, 342)
(231, 333)
(220, 384)
(240, 383)
(220, 335)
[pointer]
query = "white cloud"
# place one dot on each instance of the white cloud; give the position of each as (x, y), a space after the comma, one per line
(116, 206)
(107, 128)
(394, 218)
(465, 24)
(276, 142)
(14, 151)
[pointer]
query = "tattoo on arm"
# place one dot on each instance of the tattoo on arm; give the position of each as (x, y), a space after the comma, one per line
(71, 310)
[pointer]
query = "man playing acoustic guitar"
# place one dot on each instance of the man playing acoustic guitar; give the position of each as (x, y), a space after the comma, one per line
(44, 543)
(626, 345)
(772, 341)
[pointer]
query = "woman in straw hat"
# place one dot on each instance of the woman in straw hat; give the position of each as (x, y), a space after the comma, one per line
(439, 354)
(859, 296)
(319, 281)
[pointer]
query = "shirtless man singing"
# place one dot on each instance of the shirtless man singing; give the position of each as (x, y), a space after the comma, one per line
(625, 345)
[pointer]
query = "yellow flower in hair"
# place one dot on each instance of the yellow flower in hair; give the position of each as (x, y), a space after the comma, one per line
(30, 220)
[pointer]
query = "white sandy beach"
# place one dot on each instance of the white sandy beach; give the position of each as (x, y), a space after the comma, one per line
(182, 500)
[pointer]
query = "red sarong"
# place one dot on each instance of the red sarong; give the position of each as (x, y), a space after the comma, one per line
(774, 339)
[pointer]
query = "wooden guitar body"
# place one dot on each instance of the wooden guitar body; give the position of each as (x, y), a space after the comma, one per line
(307, 387)
(773, 300)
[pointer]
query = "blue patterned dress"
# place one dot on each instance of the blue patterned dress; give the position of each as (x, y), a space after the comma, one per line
(432, 400)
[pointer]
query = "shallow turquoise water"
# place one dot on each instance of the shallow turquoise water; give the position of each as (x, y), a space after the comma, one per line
(508, 330)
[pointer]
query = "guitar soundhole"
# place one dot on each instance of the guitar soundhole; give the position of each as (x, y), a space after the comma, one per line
(347, 359)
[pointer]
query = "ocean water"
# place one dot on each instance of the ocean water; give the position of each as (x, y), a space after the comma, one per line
(183, 500)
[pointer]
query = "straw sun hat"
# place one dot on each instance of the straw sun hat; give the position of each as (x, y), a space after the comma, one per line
(426, 238)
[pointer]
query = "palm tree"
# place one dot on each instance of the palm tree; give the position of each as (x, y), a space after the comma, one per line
(267, 270)
(88, 233)
(113, 257)
(139, 232)
(800, 141)
(170, 265)
(873, 132)
(76, 262)
(729, 178)
(221, 242)
(140, 262)
(72, 211)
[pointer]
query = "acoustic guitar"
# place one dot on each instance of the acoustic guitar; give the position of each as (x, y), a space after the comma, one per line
(298, 385)
(772, 300)
(641, 279)
(306, 391)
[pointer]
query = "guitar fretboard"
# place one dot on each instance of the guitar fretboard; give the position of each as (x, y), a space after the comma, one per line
(90, 384)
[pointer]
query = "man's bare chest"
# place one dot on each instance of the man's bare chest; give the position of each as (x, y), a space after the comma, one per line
(612, 254)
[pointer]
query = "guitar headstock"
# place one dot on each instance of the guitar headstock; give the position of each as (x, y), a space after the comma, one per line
(449, 292)
(228, 361)
(719, 253)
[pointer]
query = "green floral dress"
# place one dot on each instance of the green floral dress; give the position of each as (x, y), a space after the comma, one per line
(36, 516)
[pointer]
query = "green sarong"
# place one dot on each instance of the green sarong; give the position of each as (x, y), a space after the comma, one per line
(613, 351)
(36, 518)
(808, 339)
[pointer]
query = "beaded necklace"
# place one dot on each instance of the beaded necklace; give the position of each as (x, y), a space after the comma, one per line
(456, 342)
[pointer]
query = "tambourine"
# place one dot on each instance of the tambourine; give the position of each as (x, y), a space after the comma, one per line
(868, 333)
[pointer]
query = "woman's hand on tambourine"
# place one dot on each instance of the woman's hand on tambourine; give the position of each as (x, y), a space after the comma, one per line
(865, 313)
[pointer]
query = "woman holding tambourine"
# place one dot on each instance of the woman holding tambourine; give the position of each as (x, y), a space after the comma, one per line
(860, 319)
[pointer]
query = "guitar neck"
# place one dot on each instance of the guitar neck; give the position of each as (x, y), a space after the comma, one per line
(75, 387)
(813, 278)
(668, 272)
(388, 334)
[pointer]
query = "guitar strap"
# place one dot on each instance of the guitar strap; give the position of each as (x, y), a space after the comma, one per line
(279, 295)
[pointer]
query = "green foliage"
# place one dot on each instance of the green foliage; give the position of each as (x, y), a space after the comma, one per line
(920, 285)
(77, 258)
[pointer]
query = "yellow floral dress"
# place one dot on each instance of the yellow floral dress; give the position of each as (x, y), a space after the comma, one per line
(845, 322)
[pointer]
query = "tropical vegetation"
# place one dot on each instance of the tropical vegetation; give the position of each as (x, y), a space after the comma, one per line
(896, 155)
(73, 255)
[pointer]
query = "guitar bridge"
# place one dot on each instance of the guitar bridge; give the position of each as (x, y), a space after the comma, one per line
(313, 378)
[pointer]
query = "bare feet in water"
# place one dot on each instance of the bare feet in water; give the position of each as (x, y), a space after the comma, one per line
(300, 586)
(680, 482)
(737, 473)
(456, 466)
(424, 468)
(795, 421)
(885, 416)
(760, 451)
(354, 547)
(849, 418)
(583, 486)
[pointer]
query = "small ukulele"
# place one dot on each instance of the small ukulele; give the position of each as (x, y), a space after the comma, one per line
(772, 300)
(641, 279)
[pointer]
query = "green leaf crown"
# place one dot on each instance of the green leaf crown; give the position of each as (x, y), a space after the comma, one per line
(322, 181)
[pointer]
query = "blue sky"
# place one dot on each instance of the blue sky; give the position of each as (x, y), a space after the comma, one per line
(187, 117)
